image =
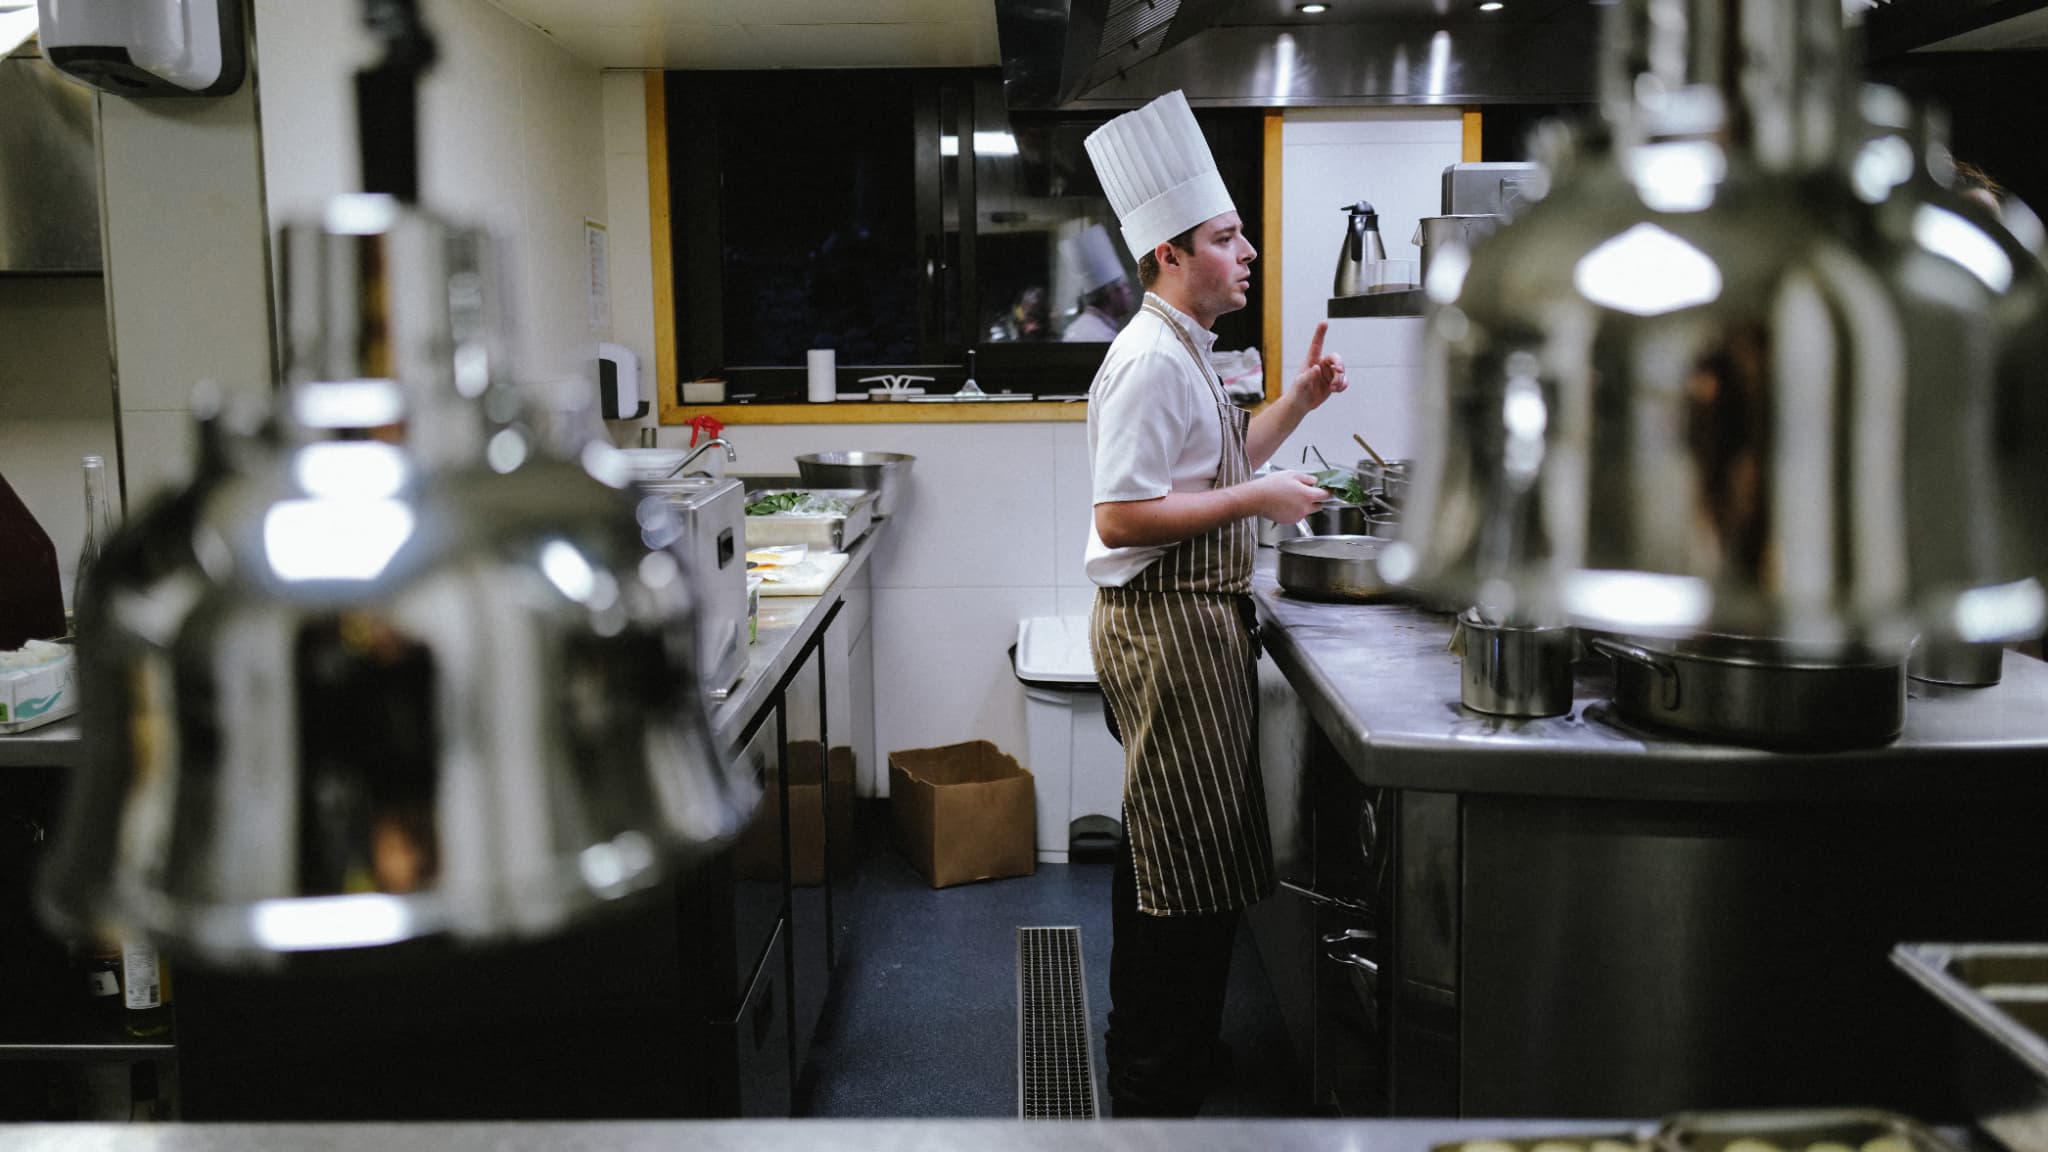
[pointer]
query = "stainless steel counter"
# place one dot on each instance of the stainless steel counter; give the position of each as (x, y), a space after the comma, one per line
(786, 1136)
(786, 624)
(51, 746)
(1382, 683)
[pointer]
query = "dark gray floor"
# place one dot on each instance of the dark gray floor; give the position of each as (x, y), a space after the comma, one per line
(923, 1015)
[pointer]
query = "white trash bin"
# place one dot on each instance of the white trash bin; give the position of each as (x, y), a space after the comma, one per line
(1078, 766)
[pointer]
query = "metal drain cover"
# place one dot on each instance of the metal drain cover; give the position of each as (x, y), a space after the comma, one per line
(1055, 1071)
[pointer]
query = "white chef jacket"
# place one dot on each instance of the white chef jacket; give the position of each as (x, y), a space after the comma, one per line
(1090, 327)
(1153, 428)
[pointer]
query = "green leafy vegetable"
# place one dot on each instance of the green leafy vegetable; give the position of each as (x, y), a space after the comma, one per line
(797, 504)
(1342, 483)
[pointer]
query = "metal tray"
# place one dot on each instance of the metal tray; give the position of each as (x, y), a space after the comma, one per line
(1817, 1130)
(1997, 997)
(1568, 1142)
(822, 533)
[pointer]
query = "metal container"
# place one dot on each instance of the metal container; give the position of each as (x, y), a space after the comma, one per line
(1997, 997)
(1515, 669)
(361, 682)
(1332, 567)
(820, 532)
(1755, 691)
(884, 473)
(1939, 661)
(1338, 519)
(709, 530)
(1795, 1130)
(1434, 233)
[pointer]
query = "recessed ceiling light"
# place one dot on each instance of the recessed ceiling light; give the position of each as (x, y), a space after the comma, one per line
(1492, 6)
(1312, 9)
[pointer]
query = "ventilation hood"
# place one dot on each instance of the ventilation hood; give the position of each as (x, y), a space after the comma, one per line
(49, 170)
(1073, 54)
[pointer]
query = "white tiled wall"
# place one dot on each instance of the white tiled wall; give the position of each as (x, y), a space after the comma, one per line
(512, 131)
(1332, 157)
(186, 272)
(626, 196)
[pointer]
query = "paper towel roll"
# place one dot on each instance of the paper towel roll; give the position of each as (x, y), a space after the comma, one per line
(824, 380)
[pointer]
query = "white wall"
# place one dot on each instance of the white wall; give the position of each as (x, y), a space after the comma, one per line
(632, 251)
(56, 400)
(991, 530)
(1395, 158)
(511, 136)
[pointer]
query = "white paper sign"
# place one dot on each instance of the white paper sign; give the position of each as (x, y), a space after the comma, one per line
(597, 258)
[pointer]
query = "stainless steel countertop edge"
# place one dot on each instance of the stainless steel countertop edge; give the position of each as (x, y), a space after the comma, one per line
(1381, 683)
(787, 624)
(55, 745)
(796, 1136)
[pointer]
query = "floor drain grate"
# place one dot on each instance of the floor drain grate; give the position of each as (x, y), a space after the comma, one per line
(1055, 1073)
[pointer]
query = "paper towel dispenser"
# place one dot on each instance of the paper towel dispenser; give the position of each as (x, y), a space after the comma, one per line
(49, 171)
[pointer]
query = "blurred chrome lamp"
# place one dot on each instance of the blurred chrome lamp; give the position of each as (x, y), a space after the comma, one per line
(1674, 396)
(395, 673)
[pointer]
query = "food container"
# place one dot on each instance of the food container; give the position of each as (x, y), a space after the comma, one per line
(819, 531)
(38, 686)
(1796, 1130)
(1609, 1141)
(1996, 995)
(1332, 567)
(884, 473)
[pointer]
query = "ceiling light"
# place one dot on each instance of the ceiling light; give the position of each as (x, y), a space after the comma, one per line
(1492, 6)
(1312, 9)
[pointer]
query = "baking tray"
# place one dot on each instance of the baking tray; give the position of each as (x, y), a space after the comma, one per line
(822, 533)
(1615, 1141)
(1797, 1130)
(1996, 995)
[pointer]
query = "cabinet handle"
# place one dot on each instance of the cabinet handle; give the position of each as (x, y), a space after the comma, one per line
(1349, 946)
(1340, 903)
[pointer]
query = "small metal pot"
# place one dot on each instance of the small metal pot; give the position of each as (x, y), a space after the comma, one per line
(1515, 669)
(1332, 567)
(1938, 661)
(1337, 519)
(1752, 691)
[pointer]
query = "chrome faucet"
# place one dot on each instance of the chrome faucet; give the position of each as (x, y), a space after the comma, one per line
(715, 442)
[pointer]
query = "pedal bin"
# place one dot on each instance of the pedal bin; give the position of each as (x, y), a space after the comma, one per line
(1078, 766)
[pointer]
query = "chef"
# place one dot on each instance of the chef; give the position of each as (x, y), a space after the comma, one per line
(1105, 302)
(1170, 549)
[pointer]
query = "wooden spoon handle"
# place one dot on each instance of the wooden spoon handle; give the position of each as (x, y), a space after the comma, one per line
(1376, 457)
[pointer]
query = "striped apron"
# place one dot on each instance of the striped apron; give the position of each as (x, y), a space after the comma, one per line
(1174, 653)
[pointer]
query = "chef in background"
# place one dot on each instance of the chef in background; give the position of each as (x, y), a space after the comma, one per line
(1105, 305)
(1173, 632)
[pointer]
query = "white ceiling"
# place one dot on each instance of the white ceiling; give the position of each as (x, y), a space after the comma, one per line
(769, 33)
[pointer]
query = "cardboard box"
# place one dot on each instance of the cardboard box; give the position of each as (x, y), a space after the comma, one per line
(757, 856)
(964, 812)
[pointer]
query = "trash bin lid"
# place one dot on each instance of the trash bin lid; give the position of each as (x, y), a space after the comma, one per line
(1054, 650)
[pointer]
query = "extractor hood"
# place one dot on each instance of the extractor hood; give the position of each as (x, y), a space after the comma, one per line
(49, 171)
(1268, 53)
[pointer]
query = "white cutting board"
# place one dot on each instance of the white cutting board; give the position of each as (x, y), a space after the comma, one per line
(809, 578)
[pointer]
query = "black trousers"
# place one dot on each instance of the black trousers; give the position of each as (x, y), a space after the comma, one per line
(1167, 975)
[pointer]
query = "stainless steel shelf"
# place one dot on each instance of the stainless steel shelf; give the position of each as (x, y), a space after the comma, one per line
(51, 746)
(1405, 303)
(81, 1035)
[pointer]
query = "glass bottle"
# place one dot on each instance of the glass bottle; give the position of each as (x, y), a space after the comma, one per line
(99, 521)
(145, 991)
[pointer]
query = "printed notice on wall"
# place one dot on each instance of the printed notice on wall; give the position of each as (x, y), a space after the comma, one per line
(597, 259)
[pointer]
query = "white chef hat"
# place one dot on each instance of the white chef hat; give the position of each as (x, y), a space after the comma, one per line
(1156, 169)
(1090, 256)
